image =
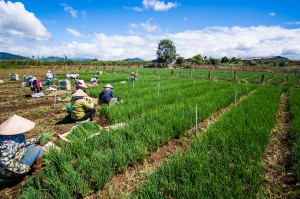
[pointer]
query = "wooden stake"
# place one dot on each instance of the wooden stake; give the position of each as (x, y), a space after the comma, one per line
(54, 99)
(235, 96)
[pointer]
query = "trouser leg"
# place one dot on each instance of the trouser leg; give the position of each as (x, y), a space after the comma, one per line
(89, 114)
(32, 153)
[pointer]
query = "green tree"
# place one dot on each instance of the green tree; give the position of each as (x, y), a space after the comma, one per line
(166, 51)
(225, 59)
(198, 59)
(213, 61)
(180, 60)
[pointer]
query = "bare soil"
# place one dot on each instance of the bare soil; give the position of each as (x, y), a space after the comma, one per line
(279, 179)
(15, 99)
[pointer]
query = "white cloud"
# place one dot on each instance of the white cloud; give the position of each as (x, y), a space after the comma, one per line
(212, 41)
(70, 10)
(138, 9)
(272, 14)
(293, 23)
(74, 32)
(16, 21)
(156, 5)
(144, 26)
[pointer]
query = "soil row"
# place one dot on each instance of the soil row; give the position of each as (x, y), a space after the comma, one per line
(123, 184)
(279, 179)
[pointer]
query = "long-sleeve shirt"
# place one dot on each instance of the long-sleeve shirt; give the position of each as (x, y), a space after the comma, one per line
(79, 107)
(105, 96)
(132, 78)
(12, 150)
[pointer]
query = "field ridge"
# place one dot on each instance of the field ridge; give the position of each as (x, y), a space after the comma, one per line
(279, 179)
(127, 182)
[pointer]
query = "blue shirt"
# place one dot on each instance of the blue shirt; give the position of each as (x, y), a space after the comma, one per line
(105, 96)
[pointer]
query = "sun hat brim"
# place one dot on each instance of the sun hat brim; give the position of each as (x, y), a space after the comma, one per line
(79, 93)
(108, 86)
(16, 125)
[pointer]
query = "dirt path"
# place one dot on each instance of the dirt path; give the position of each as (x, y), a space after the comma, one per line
(40, 110)
(123, 184)
(279, 180)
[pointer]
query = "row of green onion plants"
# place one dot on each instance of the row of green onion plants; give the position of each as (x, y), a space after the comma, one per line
(226, 161)
(294, 96)
(82, 167)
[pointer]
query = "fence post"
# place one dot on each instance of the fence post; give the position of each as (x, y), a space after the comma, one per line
(234, 75)
(262, 78)
(196, 130)
(209, 75)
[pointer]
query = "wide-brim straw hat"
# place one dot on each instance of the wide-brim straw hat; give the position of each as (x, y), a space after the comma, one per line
(108, 86)
(81, 83)
(49, 75)
(79, 93)
(132, 73)
(16, 125)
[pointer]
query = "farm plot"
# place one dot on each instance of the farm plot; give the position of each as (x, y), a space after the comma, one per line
(155, 110)
(82, 167)
(295, 114)
(226, 161)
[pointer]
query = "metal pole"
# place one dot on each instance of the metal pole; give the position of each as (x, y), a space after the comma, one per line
(158, 88)
(196, 130)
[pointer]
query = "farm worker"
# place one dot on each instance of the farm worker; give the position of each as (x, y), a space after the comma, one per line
(107, 96)
(35, 85)
(132, 77)
(82, 106)
(38, 86)
(49, 76)
(68, 75)
(74, 76)
(18, 155)
(94, 80)
(81, 85)
(53, 73)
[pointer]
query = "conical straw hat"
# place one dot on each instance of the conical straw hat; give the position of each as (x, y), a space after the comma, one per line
(16, 125)
(79, 93)
(108, 86)
(49, 74)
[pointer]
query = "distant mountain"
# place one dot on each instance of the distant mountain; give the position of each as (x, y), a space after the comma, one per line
(272, 58)
(52, 58)
(134, 59)
(81, 59)
(7, 56)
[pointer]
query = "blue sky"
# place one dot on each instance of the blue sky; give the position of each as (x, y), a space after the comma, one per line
(120, 29)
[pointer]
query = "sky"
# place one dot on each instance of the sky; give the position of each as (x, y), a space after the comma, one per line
(120, 29)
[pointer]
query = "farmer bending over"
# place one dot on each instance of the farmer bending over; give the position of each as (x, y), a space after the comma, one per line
(35, 85)
(18, 155)
(132, 77)
(81, 85)
(107, 96)
(82, 106)
(94, 80)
